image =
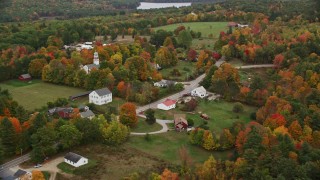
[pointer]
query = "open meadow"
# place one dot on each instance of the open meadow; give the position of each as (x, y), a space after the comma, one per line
(206, 28)
(35, 94)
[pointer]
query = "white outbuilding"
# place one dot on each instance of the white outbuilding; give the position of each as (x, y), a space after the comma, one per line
(167, 104)
(75, 159)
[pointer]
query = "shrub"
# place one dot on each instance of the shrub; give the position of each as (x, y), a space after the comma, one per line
(190, 122)
(191, 105)
(237, 108)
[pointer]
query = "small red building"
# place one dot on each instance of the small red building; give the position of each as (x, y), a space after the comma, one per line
(64, 113)
(180, 122)
(25, 77)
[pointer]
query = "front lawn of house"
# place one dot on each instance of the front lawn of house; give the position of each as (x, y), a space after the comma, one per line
(144, 127)
(220, 113)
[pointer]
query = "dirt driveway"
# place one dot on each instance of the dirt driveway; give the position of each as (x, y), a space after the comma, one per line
(50, 166)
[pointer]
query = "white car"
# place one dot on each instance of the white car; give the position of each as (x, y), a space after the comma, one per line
(37, 166)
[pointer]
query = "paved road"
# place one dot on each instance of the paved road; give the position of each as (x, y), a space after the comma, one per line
(5, 168)
(255, 66)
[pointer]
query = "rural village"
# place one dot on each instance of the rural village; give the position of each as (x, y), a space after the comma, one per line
(202, 90)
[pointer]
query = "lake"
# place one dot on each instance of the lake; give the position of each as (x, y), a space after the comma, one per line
(146, 5)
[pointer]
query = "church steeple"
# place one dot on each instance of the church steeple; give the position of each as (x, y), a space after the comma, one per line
(96, 58)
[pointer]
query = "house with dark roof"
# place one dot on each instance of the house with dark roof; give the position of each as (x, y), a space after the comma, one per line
(25, 77)
(87, 114)
(22, 175)
(63, 112)
(167, 104)
(75, 159)
(180, 122)
(164, 83)
(100, 96)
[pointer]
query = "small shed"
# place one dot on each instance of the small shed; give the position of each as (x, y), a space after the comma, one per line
(87, 114)
(75, 159)
(25, 77)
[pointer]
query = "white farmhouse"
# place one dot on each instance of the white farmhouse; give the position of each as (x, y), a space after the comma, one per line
(100, 96)
(199, 92)
(75, 159)
(96, 64)
(167, 104)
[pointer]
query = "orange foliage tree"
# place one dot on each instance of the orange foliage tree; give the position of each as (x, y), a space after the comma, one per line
(128, 114)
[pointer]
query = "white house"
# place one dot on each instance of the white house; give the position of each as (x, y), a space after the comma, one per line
(87, 114)
(100, 96)
(96, 64)
(164, 83)
(75, 159)
(167, 104)
(242, 25)
(22, 175)
(199, 91)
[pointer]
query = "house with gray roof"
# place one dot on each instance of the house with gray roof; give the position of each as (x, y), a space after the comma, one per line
(100, 96)
(21, 174)
(75, 159)
(165, 83)
(87, 114)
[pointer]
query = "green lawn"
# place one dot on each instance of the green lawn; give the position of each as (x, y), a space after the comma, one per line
(166, 146)
(185, 68)
(67, 168)
(205, 28)
(220, 113)
(143, 126)
(36, 94)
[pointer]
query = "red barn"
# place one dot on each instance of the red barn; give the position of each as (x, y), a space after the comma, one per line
(25, 77)
(180, 122)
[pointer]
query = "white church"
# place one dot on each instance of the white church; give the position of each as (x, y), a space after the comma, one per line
(95, 65)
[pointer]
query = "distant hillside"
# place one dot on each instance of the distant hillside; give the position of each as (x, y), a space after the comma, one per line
(21, 10)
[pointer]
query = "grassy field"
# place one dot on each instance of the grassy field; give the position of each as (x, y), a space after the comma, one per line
(166, 146)
(143, 126)
(185, 68)
(115, 163)
(220, 113)
(205, 28)
(36, 94)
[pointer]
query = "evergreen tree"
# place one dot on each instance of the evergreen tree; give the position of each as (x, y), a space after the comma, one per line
(150, 116)
(8, 136)
(43, 143)
(39, 121)
(254, 140)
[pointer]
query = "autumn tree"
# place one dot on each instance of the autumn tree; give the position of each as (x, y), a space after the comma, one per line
(226, 139)
(115, 133)
(37, 175)
(168, 175)
(208, 141)
(208, 170)
(36, 66)
(295, 130)
(128, 114)
(69, 136)
(192, 55)
(166, 57)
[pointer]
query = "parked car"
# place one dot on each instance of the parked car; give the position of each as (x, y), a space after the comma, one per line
(37, 166)
(204, 116)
